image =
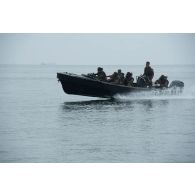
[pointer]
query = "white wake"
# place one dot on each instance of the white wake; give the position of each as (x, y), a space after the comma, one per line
(187, 93)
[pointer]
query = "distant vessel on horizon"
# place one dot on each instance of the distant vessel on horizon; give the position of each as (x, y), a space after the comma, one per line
(47, 63)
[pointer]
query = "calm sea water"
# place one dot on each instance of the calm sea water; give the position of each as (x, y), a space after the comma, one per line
(40, 123)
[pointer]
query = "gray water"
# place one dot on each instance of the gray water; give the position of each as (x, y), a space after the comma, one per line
(40, 123)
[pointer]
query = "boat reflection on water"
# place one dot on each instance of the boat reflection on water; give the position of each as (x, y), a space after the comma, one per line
(112, 104)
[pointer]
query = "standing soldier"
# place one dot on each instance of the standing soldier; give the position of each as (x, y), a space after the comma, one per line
(149, 73)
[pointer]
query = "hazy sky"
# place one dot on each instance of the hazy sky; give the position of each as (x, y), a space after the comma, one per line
(97, 49)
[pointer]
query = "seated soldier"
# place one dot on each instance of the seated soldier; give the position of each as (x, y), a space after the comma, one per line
(121, 77)
(163, 81)
(113, 77)
(128, 81)
(101, 75)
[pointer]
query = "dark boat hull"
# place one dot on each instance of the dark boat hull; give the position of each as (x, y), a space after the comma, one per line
(81, 85)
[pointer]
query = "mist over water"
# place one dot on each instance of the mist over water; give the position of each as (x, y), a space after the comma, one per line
(40, 123)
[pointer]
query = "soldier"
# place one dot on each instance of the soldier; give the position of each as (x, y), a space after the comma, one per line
(163, 81)
(129, 79)
(149, 72)
(101, 75)
(113, 77)
(121, 77)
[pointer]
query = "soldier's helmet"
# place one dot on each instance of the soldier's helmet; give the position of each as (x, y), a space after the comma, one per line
(99, 69)
(147, 63)
(129, 74)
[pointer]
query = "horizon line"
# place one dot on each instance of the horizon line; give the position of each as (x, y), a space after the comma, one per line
(54, 64)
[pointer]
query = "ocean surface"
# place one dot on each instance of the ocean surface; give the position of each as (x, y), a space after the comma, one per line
(40, 123)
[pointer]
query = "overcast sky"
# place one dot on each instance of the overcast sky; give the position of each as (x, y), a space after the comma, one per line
(97, 49)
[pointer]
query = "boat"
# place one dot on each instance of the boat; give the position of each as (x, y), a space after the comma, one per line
(87, 85)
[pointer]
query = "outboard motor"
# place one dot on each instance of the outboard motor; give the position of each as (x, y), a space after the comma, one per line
(176, 83)
(142, 81)
(176, 86)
